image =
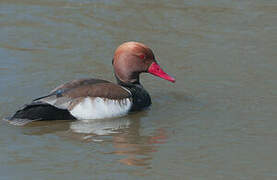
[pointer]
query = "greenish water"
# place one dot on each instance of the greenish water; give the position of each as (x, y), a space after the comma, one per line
(218, 121)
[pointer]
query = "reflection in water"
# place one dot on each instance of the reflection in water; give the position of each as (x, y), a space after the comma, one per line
(137, 148)
(123, 133)
(99, 127)
(126, 138)
(45, 127)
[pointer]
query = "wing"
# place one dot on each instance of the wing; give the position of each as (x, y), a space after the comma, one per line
(70, 94)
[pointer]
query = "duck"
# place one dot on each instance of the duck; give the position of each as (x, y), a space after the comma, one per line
(87, 99)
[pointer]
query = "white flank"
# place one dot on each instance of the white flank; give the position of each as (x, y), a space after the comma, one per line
(99, 108)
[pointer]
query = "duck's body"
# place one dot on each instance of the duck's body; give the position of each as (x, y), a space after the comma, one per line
(86, 99)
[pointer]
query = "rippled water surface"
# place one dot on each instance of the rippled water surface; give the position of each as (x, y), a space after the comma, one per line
(218, 121)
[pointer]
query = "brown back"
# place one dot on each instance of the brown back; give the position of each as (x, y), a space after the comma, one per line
(92, 88)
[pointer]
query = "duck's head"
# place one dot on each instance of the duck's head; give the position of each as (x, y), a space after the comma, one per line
(132, 58)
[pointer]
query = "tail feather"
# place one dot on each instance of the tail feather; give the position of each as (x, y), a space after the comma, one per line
(18, 122)
(37, 111)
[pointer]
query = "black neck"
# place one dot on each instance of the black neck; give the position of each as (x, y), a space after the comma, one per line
(127, 84)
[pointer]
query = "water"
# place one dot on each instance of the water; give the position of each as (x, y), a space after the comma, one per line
(218, 121)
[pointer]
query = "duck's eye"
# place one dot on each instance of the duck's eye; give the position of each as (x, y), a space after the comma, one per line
(142, 56)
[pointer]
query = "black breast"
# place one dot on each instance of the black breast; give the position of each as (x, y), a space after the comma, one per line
(141, 98)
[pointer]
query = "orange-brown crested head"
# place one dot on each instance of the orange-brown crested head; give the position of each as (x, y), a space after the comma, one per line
(132, 58)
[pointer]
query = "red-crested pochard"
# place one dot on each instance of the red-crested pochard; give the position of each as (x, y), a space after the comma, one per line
(86, 99)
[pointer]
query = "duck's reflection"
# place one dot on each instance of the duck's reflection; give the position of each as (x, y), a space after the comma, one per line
(126, 138)
(99, 127)
(45, 127)
(138, 149)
